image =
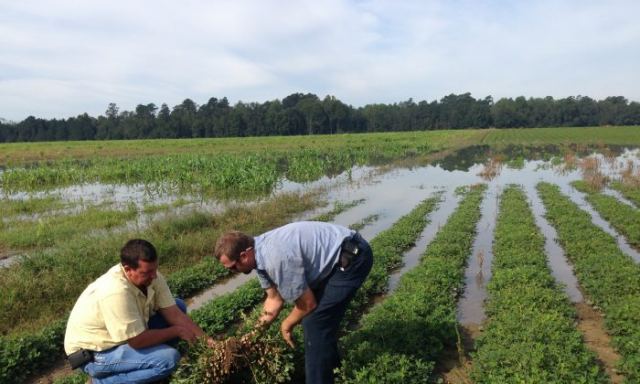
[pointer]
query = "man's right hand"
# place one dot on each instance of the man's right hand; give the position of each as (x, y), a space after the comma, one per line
(271, 308)
(185, 333)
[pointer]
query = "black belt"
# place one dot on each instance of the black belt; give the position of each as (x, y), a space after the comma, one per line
(350, 249)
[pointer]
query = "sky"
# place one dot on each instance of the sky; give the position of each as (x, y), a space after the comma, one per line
(62, 58)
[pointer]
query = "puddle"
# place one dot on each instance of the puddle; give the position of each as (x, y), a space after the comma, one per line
(437, 219)
(8, 258)
(225, 286)
(478, 272)
(556, 259)
(618, 195)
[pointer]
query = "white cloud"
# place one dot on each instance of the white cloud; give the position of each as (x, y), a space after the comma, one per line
(61, 58)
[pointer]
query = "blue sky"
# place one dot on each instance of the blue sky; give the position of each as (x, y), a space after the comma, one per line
(63, 58)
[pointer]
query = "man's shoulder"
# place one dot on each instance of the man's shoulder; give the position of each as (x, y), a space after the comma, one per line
(112, 282)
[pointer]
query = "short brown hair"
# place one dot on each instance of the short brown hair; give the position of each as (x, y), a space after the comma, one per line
(135, 250)
(232, 243)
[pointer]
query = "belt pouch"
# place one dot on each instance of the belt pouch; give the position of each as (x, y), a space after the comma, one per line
(80, 358)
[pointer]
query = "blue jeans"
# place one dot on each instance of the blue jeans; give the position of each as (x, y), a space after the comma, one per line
(321, 326)
(123, 364)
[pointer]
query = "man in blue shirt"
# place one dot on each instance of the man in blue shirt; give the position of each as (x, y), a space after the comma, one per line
(319, 267)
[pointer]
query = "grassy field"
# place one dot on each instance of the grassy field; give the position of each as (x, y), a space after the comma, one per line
(12, 154)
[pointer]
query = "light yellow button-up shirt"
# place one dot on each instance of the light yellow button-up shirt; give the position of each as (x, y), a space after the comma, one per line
(111, 310)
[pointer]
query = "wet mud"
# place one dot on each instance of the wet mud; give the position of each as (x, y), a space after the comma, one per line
(591, 325)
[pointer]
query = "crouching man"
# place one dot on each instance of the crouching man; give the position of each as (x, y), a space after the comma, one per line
(119, 328)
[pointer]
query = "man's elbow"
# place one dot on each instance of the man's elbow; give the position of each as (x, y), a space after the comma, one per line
(311, 305)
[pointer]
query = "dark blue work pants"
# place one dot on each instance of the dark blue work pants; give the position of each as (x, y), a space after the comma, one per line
(321, 326)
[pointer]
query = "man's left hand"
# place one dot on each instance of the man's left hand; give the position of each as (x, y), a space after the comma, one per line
(287, 334)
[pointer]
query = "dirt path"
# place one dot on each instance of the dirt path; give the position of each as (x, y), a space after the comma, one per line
(455, 364)
(591, 325)
(58, 371)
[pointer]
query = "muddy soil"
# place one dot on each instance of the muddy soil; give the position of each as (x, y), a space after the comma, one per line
(591, 325)
(455, 364)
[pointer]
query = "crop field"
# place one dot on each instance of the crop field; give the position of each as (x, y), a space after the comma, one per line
(539, 228)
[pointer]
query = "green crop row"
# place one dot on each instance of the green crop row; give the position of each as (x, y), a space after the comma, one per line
(190, 280)
(630, 192)
(387, 247)
(399, 339)
(622, 217)
(556, 135)
(530, 335)
(24, 355)
(338, 208)
(364, 222)
(607, 275)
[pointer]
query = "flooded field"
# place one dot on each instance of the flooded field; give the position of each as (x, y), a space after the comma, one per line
(384, 195)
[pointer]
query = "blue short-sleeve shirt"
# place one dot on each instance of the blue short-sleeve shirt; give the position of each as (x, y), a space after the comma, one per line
(298, 255)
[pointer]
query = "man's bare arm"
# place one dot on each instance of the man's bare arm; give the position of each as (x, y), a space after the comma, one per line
(271, 308)
(152, 337)
(174, 316)
(305, 304)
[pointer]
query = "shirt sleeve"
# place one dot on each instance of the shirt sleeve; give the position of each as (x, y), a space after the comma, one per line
(164, 298)
(121, 316)
(288, 275)
(264, 279)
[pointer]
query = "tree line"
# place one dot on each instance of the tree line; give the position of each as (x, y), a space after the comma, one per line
(307, 114)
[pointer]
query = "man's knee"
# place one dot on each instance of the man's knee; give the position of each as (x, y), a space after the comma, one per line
(167, 360)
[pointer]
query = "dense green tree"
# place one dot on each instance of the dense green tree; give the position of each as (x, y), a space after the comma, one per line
(183, 118)
(337, 114)
(305, 114)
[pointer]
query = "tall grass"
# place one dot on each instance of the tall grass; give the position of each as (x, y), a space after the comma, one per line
(51, 230)
(29, 206)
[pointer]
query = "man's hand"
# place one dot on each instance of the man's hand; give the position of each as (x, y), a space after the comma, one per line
(287, 333)
(271, 308)
(265, 319)
(305, 304)
(185, 333)
(211, 342)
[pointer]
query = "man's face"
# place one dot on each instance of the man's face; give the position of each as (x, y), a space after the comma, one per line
(142, 276)
(245, 263)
